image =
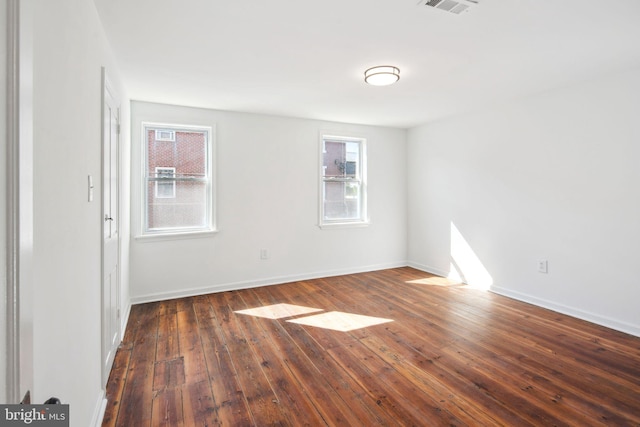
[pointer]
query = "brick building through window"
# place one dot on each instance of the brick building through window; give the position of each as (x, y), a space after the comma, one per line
(178, 183)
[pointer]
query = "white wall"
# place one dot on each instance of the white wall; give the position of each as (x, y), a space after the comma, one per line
(554, 176)
(267, 173)
(69, 50)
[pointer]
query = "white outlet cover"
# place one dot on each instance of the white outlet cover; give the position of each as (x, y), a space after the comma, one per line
(543, 266)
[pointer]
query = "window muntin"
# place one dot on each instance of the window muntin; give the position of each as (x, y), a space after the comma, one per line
(178, 185)
(343, 181)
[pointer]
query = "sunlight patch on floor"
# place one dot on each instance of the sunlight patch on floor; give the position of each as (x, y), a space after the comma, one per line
(437, 281)
(339, 321)
(278, 311)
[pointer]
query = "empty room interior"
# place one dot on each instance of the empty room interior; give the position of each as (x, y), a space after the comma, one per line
(343, 212)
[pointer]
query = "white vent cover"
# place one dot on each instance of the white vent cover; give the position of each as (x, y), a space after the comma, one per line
(452, 6)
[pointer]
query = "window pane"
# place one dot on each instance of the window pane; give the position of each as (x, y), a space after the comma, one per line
(341, 200)
(166, 186)
(178, 194)
(187, 153)
(340, 159)
(188, 209)
(166, 190)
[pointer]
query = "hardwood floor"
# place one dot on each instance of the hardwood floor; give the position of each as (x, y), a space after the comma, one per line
(451, 356)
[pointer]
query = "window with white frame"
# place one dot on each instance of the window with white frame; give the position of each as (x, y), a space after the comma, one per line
(177, 179)
(343, 188)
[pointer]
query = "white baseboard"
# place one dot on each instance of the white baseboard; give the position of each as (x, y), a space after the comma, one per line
(570, 311)
(428, 269)
(98, 412)
(161, 296)
(125, 319)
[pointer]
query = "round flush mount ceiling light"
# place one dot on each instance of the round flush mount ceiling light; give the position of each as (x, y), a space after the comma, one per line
(382, 75)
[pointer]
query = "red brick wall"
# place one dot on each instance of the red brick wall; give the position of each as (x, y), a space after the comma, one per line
(187, 155)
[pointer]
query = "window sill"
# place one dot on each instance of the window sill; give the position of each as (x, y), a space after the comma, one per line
(178, 235)
(334, 225)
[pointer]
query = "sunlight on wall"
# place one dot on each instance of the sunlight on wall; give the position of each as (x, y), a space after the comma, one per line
(465, 263)
(454, 273)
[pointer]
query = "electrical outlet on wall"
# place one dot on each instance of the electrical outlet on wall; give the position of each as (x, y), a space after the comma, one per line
(543, 266)
(264, 254)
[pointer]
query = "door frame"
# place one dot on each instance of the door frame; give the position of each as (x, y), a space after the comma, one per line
(108, 93)
(19, 181)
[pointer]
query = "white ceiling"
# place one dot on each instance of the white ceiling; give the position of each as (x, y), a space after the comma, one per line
(306, 58)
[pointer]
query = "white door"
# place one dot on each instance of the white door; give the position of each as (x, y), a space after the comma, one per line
(110, 229)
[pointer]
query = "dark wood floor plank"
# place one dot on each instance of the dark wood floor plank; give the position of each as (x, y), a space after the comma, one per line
(167, 307)
(167, 348)
(137, 395)
(261, 399)
(230, 405)
(452, 355)
(168, 374)
(448, 397)
(115, 385)
(199, 408)
(167, 408)
(195, 368)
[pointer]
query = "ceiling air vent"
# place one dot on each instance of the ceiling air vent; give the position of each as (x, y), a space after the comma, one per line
(452, 6)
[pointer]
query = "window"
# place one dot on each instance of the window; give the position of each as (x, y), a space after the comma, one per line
(343, 181)
(177, 177)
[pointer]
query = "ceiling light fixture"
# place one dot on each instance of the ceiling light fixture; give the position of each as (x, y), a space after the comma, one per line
(382, 75)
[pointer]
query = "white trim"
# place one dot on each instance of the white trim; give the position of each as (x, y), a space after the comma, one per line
(175, 236)
(337, 225)
(99, 410)
(124, 320)
(19, 170)
(427, 269)
(569, 311)
(13, 203)
(189, 292)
